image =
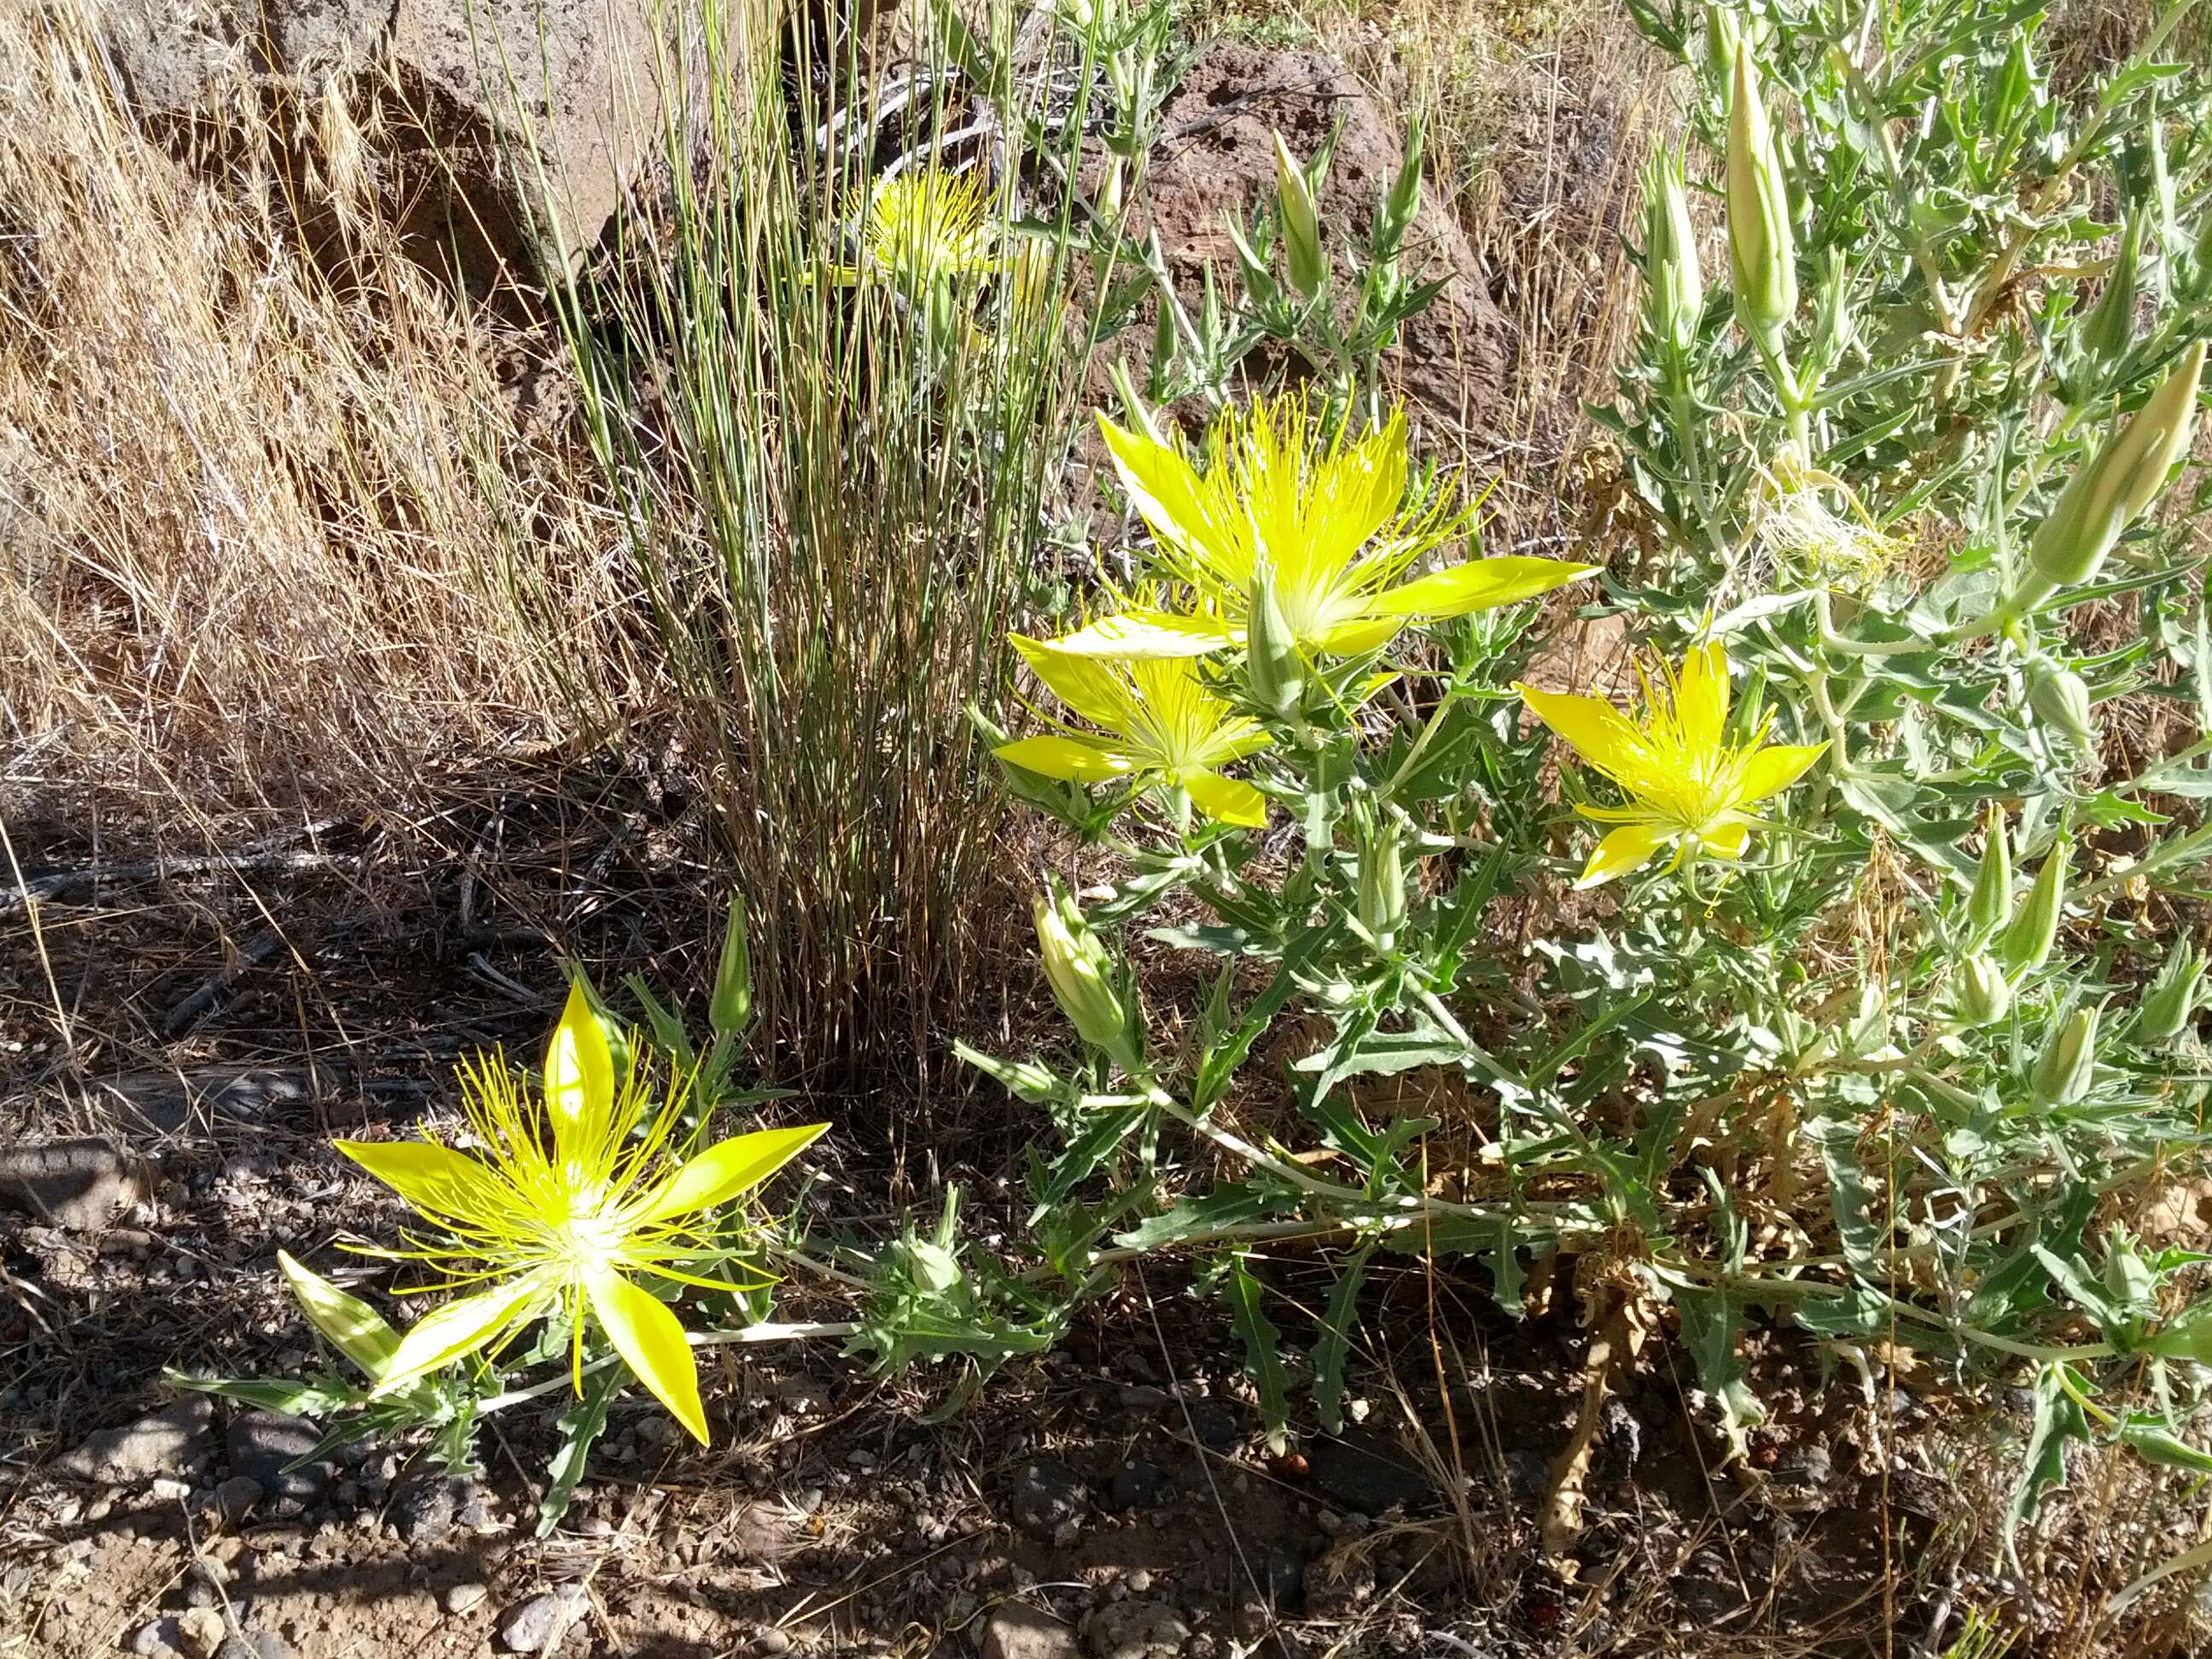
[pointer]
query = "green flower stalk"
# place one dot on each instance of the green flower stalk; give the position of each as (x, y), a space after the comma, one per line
(2111, 491)
(1762, 247)
(1674, 290)
(2172, 998)
(1980, 995)
(2034, 928)
(1990, 904)
(1382, 879)
(1083, 976)
(2064, 1069)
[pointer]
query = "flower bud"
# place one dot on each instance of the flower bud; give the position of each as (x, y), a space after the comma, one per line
(2060, 701)
(1402, 205)
(354, 1329)
(2109, 328)
(1990, 902)
(1723, 35)
(730, 1009)
(1273, 665)
(2171, 999)
(2109, 492)
(1674, 289)
(1382, 880)
(2034, 928)
(2068, 1061)
(1762, 248)
(1301, 221)
(1082, 975)
(1980, 995)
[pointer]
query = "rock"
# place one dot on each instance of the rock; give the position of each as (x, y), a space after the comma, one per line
(265, 1445)
(769, 1644)
(177, 1440)
(423, 1506)
(537, 1624)
(1286, 1579)
(1366, 1472)
(1047, 1497)
(78, 1185)
(1014, 1631)
(505, 133)
(1452, 362)
(200, 1632)
(1218, 1424)
(1139, 1628)
(461, 1597)
(236, 1498)
(1137, 1484)
(257, 1645)
(157, 1638)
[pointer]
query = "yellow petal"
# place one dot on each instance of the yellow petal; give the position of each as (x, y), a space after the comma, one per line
(1163, 488)
(728, 1167)
(1701, 700)
(1621, 851)
(436, 1180)
(1771, 770)
(1063, 757)
(1479, 585)
(1145, 634)
(446, 1333)
(354, 1329)
(1726, 840)
(1229, 800)
(580, 1079)
(649, 1337)
(1359, 636)
(1599, 732)
(1085, 685)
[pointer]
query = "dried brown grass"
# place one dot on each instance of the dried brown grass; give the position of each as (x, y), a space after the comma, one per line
(269, 533)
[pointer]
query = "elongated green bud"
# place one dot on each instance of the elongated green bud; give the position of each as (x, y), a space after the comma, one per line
(1980, 995)
(2060, 701)
(2067, 1065)
(354, 1329)
(2111, 491)
(1723, 36)
(1301, 221)
(1762, 247)
(1273, 665)
(1082, 975)
(2111, 328)
(1382, 884)
(2034, 928)
(1402, 205)
(1990, 902)
(2172, 1001)
(730, 1009)
(1674, 288)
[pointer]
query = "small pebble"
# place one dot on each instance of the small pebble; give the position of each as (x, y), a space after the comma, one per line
(460, 1598)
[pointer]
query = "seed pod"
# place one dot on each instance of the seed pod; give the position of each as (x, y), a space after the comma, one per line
(1082, 975)
(1762, 247)
(730, 1009)
(1674, 290)
(2109, 493)
(2034, 928)
(354, 1329)
(1980, 995)
(2171, 999)
(1990, 902)
(1382, 880)
(2064, 1069)
(1301, 221)
(2060, 701)
(1273, 665)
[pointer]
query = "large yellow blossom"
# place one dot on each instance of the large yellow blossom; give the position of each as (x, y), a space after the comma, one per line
(1159, 722)
(928, 226)
(1329, 524)
(1685, 783)
(558, 1209)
